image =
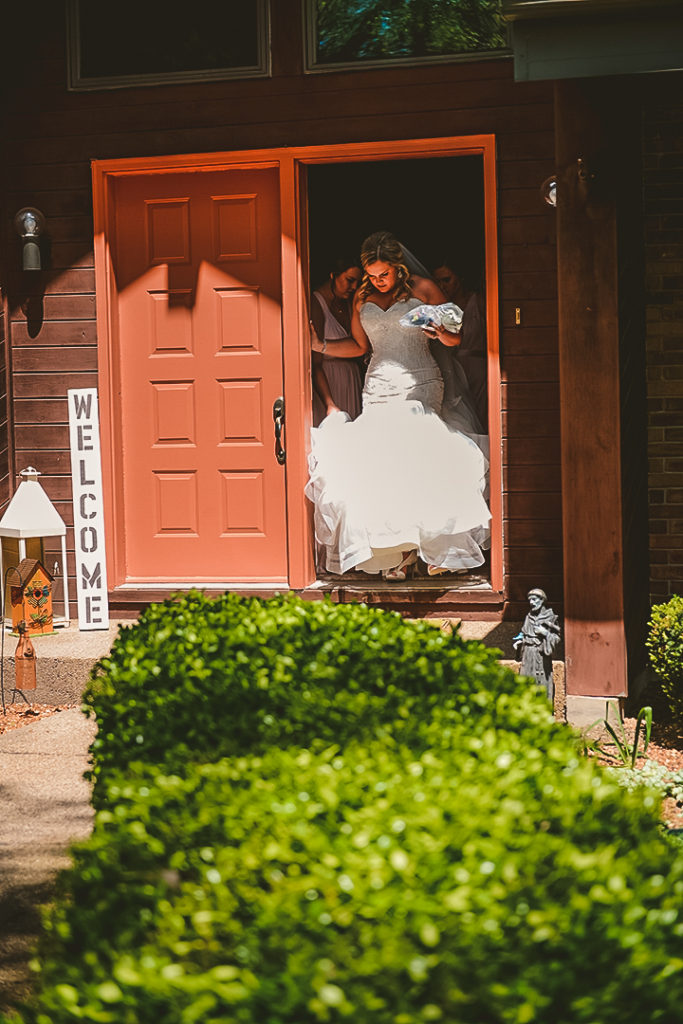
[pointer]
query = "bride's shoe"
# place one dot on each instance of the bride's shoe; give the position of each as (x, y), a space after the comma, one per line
(436, 570)
(400, 572)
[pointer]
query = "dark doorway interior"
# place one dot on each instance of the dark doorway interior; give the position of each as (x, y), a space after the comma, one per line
(434, 206)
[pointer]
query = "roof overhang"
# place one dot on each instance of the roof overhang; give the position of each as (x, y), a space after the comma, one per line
(588, 38)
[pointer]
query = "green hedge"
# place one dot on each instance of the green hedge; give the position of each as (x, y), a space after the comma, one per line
(200, 678)
(665, 646)
(493, 882)
(388, 828)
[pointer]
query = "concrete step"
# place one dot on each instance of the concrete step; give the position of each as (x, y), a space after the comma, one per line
(64, 659)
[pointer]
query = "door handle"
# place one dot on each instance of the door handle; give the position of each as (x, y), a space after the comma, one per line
(279, 421)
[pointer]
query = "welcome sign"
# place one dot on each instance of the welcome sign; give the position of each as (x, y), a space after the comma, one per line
(86, 475)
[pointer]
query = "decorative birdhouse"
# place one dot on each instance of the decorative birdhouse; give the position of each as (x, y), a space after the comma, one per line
(31, 597)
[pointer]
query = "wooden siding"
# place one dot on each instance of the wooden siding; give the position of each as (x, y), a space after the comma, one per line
(51, 135)
(633, 395)
(5, 468)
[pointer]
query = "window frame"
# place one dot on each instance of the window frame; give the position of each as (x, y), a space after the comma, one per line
(76, 83)
(311, 67)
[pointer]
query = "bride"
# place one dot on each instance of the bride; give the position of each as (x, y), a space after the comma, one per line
(407, 478)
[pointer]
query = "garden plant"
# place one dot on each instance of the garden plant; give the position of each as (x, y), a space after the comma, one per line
(199, 679)
(626, 751)
(665, 647)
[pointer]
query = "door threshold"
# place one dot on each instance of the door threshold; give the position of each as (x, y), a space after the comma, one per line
(467, 597)
(446, 581)
(470, 597)
(172, 586)
(129, 599)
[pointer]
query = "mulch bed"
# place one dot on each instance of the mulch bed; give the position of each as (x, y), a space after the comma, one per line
(666, 745)
(19, 714)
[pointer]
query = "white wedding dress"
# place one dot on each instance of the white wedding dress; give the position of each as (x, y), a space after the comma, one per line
(399, 477)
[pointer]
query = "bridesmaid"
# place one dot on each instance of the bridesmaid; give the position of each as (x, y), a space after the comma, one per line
(337, 382)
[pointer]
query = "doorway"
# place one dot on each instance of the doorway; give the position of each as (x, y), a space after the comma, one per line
(435, 206)
(261, 518)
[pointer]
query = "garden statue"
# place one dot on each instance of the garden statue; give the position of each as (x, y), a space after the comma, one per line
(539, 637)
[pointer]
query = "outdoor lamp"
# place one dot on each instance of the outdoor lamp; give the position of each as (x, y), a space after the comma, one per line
(549, 190)
(29, 224)
(28, 518)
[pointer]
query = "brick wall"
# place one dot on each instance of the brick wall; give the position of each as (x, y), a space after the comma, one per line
(663, 207)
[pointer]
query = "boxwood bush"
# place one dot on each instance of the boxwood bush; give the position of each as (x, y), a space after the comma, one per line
(489, 882)
(665, 646)
(200, 678)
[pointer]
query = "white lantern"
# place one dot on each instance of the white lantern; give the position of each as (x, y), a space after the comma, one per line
(31, 514)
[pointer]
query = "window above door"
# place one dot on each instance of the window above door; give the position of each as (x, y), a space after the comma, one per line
(373, 33)
(152, 44)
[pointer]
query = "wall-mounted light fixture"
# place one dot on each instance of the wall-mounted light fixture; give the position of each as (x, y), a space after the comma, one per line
(549, 190)
(29, 224)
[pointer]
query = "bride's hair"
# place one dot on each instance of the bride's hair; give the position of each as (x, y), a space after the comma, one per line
(383, 246)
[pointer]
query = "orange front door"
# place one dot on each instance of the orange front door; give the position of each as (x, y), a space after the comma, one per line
(196, 260)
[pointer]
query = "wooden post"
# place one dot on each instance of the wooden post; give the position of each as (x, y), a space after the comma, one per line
(589, 388)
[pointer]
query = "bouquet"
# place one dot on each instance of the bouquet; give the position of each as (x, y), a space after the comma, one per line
(447, 315)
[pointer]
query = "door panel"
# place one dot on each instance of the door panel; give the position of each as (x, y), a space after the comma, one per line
(197, 267)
